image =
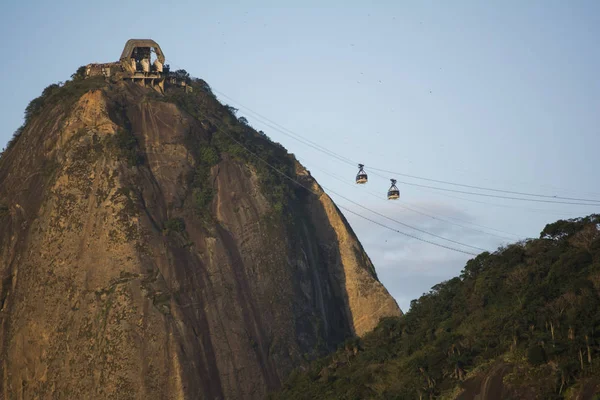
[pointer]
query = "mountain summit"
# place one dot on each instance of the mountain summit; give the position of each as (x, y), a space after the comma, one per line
(153, 246)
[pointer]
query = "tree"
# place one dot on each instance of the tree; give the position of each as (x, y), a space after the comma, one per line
(231, 109)
(183, 75)
(79, 74)
(532, 304)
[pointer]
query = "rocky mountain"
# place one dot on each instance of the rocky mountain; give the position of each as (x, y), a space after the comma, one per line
(520, 323)
(152, 248)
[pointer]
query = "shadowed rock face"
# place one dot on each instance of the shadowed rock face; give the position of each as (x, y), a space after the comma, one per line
(99, 300)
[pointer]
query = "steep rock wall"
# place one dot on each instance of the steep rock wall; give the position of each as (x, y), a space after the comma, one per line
(100, 298)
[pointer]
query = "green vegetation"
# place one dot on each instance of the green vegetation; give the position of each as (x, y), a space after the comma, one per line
(63, 94)
(174, 225)
(235, 137)
(4, 210)
(202, 198)
(206, 157)
(79, 74)
(182, 74)
(533, 305)
(126, 145)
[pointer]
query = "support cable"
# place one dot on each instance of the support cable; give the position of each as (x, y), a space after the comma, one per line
(366, 218)
(282, 129)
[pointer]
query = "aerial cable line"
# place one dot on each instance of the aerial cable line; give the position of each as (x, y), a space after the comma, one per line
(420, 212)
(549, 212)
(384, 216)
(519, 237)
(432, 216)
(487, 203)
(491, 195)
(482, 188)
(406, 234)
(402, 223)
(318, 195)
(282, 129)
(535, 210)
(342, 158)
(378, 223)
(424, 213)
(308, 143)
(348, 161)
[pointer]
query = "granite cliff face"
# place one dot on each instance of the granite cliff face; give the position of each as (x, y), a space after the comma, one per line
(144, 253)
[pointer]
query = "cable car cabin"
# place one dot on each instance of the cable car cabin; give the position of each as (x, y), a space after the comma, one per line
(361, 177)
(393, 192)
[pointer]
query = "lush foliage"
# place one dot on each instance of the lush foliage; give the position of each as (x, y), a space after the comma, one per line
(79, 74)
(233, 136)
(182, 74)
(534, 305)
(174, 225)
(127, 148)
(202, 191)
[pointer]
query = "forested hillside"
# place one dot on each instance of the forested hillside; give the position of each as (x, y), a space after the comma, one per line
(522, 323)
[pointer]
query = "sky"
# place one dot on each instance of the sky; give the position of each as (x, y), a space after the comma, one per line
(503, 95)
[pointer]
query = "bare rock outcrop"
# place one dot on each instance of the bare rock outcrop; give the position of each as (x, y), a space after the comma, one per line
(114, 284)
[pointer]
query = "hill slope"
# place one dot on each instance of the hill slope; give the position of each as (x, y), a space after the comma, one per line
(144, 253)
(521, 323)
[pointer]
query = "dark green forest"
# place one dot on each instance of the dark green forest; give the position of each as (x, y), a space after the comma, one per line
(531, 308)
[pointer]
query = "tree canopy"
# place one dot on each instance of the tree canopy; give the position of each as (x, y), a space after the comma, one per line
(533, 306)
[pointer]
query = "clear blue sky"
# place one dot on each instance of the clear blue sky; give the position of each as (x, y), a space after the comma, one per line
(503, 94)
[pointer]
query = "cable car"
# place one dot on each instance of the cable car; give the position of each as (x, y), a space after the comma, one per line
(393, 192)
(361, 177)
